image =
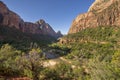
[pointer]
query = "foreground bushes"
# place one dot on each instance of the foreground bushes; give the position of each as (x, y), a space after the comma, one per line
(15, 63)
(95, 55)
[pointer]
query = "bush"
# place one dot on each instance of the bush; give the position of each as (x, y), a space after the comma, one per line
(8, 59)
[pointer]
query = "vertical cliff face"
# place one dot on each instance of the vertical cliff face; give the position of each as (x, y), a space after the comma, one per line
(100, 5)
(45, 28)
(102, 12)
(11, 19)
(8, 17)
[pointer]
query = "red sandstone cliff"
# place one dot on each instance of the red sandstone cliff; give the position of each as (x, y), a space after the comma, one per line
(100, 13)
(11, 19)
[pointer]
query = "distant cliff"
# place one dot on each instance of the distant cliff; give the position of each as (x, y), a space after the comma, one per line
(11, 19)
(100, 13)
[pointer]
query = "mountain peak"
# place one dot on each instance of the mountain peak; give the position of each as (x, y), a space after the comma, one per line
(41, 21)
(11, 19)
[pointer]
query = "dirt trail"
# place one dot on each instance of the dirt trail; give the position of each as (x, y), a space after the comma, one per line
(53, 62)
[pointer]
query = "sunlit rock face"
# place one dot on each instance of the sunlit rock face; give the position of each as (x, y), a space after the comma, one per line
(46, 28)
(100, 5)
(11, 19)
(101, 12)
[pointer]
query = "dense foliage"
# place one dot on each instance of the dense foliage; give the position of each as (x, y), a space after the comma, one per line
(15, 63)
(96, 50)
(91, 54)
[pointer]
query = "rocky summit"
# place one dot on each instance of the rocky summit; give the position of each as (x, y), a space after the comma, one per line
(11, 19)
(100, 13)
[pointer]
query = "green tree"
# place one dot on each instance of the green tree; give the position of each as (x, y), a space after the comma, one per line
(64, 71)
(8, 59)
(116, 63)
(32, 63)
(100, 70)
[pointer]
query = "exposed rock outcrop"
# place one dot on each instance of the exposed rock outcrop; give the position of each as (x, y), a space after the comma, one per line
(46, 28)
(59, 34)
(102, 12)
(11, 19)
(8, 17)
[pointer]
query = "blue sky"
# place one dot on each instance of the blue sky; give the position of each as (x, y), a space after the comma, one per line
(58, 13)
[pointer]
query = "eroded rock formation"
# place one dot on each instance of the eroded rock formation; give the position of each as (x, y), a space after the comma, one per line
(11, 19)
(102, 12)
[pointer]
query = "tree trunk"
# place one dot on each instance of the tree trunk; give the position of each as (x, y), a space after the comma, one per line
(35, 76)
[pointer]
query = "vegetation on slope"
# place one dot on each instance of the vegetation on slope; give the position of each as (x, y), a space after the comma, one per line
(23, 41)
(93, 51)
(91, 54)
